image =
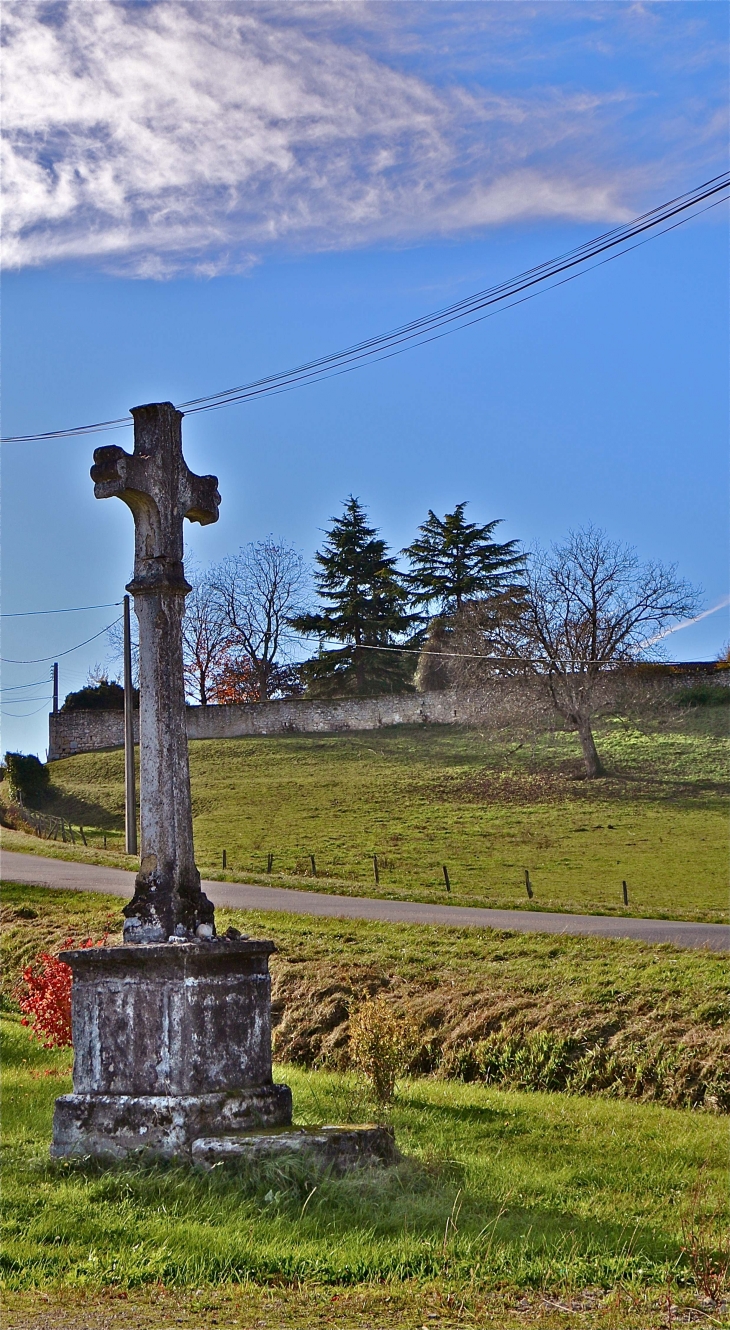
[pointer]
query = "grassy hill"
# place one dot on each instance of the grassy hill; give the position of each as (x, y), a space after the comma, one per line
(487, 807)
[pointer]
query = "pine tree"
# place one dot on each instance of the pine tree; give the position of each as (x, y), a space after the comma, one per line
(364, 606)
(454, 561)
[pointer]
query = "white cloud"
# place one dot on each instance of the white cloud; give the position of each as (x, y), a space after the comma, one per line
(192, 136)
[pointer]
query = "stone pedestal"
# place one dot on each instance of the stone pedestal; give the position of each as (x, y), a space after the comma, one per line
(172, 1043)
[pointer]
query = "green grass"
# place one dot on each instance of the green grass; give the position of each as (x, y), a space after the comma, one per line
(529, 1191)
(422, 797)
(509, 1208)
(608, 1017)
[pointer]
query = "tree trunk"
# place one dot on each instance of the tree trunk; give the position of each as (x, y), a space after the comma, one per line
(592, 761)
(359, 669)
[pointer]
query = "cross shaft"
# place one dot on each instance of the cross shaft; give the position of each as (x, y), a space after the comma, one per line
(161, 491)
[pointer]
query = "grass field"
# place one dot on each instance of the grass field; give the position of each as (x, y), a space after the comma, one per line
(422, 797)
(519, 1193)
(510, 1208)
(596, 1016)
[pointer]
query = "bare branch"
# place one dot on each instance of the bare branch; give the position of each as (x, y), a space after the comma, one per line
(258, 591)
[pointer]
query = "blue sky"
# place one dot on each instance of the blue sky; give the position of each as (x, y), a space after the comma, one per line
(197, 194)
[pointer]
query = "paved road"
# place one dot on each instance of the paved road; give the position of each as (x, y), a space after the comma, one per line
(61, 873)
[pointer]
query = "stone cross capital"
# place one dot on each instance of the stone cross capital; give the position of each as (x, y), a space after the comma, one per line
(158, 486)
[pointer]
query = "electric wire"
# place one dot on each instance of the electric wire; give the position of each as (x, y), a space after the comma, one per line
(23, 715)
(463, 308)
(451, 318)
(76, 609)
(41, 660)
(15, 687)
(425, 341)
(16, 701)
(500, 660)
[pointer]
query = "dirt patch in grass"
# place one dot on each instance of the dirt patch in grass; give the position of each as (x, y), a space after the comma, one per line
(504, 787)
(527, 788)
(409, 1305)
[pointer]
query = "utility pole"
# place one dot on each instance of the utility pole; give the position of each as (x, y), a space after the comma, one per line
(55, 688)
(130, 796)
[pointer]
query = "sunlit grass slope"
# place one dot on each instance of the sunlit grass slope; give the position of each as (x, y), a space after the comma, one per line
(422, 797)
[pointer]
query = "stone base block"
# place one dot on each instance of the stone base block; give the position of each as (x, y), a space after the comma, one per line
(335, 1150)
(117, 1125)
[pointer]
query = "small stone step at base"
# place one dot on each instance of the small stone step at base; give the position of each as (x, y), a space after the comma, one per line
(336, 1150)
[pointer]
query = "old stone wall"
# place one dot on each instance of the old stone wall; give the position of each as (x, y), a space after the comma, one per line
(86, 731)
(72, 732)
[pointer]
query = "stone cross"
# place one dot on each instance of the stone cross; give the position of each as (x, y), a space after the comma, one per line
(155, 482)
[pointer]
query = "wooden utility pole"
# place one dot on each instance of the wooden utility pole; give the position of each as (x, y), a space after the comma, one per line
(130, 795)
(55, 688)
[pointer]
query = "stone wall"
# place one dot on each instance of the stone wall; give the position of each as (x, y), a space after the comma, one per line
(86, 731)
(72, 732)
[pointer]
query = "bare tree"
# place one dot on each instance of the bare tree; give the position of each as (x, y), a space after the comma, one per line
(115, 638)
(206, 637)
(258, 591)
(590, 606)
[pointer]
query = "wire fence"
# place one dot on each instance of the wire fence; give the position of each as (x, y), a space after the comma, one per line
(49, 826)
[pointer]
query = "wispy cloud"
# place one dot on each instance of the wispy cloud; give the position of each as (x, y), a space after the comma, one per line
(168, 136)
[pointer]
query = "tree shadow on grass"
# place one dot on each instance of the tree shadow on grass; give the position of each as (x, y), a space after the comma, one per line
(80, 811)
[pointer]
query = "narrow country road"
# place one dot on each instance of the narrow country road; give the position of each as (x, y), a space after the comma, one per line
(61, 873)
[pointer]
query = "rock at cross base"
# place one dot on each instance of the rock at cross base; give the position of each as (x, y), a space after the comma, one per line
(156, 484)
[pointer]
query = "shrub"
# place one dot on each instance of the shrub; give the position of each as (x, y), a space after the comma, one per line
(103, 696)
(381, 1045)
(704, 695)
(44, 997)
(28, 777)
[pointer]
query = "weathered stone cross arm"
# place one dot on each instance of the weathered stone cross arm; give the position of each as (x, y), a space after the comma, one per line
(157, 485)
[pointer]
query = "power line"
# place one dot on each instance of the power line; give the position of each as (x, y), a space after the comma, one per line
(25, 714)
(77, 609)
(494, 660)
(450, 319)
(13, 702)
(15, 687)
(41, 660)
(463, 308)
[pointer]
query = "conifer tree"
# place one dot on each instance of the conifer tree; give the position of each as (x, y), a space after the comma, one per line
(454, 561)
(364, 606)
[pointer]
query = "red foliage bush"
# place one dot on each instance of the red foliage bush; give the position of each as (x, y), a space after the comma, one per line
(45, 998)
